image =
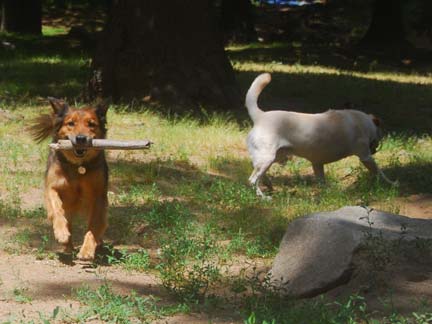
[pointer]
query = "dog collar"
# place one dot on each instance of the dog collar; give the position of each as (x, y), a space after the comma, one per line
(81, 169)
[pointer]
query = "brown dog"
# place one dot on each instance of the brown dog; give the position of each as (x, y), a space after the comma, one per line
(75, 181)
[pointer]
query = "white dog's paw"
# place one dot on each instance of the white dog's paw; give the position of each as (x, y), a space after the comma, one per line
(263, 196)
(266, 198)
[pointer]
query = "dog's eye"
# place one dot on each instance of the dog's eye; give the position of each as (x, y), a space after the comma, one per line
(71, 123)
(92, 124)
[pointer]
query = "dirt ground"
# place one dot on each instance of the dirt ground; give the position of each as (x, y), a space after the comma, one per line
(47, 284)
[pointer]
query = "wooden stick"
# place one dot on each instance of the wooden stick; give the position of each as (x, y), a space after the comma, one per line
(102, 144)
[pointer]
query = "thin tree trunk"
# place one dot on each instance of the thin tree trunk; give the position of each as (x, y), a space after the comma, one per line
(21, 16)
(386, 27)
(237, 20)
(164, 51)
(2, 14)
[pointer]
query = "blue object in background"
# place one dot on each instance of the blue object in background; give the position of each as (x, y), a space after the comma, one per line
(294, 3)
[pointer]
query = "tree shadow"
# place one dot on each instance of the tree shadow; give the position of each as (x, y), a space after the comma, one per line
(403, 107)
(411, 177)
(330, 56)
(204, 196)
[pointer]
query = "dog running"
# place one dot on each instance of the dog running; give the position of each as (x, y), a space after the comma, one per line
(76, 181)
(320, 138)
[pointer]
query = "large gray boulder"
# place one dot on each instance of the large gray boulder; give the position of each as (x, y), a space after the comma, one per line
(316, 252)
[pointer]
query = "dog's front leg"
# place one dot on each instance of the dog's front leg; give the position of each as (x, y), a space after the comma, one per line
(97, 224)
(373, 168)
(56, 214)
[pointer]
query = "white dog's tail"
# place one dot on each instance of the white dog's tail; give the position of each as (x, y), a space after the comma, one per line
(253, 93)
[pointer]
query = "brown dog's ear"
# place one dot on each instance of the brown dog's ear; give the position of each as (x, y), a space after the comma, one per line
(376, 121)
(101, 109)
(59, 106)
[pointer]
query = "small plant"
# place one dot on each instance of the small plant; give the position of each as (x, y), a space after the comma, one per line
(48, 319)
(41, 250)
(252, 320)
(425, 318)
(379, 251)
(139, 261)
(20, 295)
(189, 263)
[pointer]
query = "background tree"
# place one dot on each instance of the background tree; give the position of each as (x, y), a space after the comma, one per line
(237, 20)
(387, 26)
(164, 51)
(422, 19)
(21, 16)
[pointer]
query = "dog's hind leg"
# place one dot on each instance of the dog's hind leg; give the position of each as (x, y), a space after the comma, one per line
(318, 169)
(259, 171)
(373, 168)
(97, 224)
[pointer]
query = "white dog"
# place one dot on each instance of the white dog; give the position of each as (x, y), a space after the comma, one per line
(320, 138)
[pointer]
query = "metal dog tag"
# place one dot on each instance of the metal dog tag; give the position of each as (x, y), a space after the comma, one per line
(81, 170)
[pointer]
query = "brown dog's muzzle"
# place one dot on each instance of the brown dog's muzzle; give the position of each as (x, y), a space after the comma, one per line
(80, 141)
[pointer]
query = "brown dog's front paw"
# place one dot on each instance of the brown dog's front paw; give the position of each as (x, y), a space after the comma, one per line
(86, 254)
(62, 236)
(88, 248)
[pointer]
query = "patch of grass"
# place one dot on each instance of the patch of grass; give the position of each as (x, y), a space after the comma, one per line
(189, 262)
(104, 304)
(9, 210)
(273, 309)
(53, 31)
(139, 261)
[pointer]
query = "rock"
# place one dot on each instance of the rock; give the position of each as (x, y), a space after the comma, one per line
(316, 252)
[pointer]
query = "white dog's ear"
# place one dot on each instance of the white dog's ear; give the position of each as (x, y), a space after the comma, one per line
(376, 121)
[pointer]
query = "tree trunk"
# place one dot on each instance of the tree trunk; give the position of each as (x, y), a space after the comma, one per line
(164, 51)
(2, 14)
(21, 16)
(386, 27)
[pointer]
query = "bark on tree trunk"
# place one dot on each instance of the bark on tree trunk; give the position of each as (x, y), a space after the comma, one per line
(21, 16)
(167, 51)
(387, 25)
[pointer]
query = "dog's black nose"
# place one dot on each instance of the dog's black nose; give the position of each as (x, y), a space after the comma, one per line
(81, 139)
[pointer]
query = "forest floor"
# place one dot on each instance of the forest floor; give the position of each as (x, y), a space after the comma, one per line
(151, 191)
(188, 241)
